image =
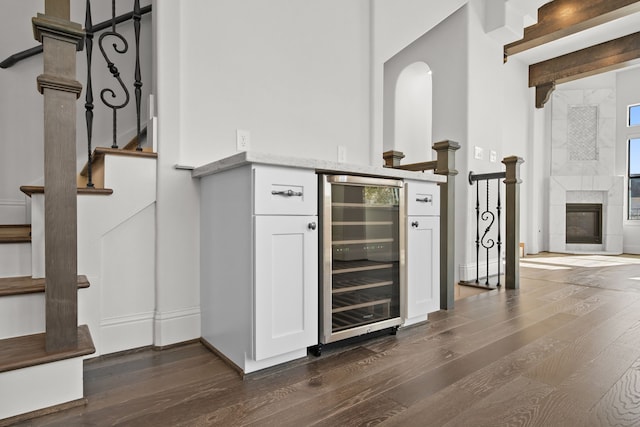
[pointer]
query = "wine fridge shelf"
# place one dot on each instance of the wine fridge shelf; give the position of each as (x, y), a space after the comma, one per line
(364, 205)
(353, 223)
(353, 266)
(357, 284)
(362, 241)
(357, 317)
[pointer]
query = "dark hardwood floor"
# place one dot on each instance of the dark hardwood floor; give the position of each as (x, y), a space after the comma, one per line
(564, 350)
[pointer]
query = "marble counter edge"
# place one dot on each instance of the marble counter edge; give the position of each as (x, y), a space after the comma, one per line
(320, 166)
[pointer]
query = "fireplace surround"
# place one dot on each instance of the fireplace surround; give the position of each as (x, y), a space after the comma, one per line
(605, 190)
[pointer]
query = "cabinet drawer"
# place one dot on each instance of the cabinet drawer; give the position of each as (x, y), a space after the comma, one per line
(285, 191)
(423, 198)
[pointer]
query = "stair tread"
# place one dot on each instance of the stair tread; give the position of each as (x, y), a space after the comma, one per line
(28, 285)
(15, 233)
(29, 350)
(38, 189)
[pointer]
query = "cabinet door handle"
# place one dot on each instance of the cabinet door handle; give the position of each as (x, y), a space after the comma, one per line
(311, 226)
(415, 224)
(426, 199)
(288, 193)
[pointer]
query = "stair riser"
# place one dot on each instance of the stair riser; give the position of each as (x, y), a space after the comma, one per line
(15, 259)
(42, 386)
(21, 315)
(13, 212)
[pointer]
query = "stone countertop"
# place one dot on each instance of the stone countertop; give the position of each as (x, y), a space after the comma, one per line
(321, 166)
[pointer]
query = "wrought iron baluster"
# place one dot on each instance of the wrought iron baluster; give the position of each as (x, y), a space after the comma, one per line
(498, 210)
(88, 26)
(137, 16)
(477, 232)
(114, 71)
(487, 215)
(489, 218)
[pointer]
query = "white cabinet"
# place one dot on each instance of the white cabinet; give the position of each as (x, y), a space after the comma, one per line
(423, 251)
(286, 274)
(259, 264)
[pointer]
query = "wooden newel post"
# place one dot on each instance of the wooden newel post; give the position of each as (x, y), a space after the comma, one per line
(512, 231)
(60, 40)
(446, 165)
(392, 158)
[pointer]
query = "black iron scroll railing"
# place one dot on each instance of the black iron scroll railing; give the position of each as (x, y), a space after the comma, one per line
(12, 60)
(488, 209)
(112, 44)
(114, 99)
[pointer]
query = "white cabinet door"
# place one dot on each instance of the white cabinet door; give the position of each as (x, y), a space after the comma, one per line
(285, 284)
(423, 265)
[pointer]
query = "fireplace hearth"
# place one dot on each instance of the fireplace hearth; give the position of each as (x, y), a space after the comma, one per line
(584, 223)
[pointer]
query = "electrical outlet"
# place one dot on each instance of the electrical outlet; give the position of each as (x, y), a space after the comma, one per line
(243, 139)
(478, 153)
(342, 154)
(493, 156)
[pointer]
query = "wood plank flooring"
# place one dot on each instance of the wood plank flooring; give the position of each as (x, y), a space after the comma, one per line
(553, 353)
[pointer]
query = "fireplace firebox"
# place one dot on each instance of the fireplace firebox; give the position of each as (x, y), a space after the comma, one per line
(584, 223)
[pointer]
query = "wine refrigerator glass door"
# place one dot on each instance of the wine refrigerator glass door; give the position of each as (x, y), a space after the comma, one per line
(363, 255)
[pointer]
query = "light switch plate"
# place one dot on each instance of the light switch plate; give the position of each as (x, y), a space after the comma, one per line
(478, 153)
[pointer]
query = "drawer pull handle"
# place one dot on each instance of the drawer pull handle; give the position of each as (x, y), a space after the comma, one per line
(288, 193)
(415, 224)
(427, 199)
(311, 226)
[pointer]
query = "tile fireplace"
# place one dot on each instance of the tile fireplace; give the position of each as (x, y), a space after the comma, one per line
(565, 192)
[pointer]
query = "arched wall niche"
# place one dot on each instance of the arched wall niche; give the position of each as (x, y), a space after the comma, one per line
(412, 133)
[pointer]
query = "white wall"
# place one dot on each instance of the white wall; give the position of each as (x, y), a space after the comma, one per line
(628, 93)
(21, 129)
(293, 73)
(445, 49)
(395, 25)
(478, 101)
(177, 316)
(498, 121)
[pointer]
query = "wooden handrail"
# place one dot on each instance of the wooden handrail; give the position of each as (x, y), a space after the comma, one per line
(12, 60)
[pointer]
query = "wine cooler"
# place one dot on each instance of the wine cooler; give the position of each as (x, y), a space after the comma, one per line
(362, 252)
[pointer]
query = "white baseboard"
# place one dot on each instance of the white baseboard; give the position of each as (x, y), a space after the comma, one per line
(172, 327)
(631, 249)
(125, 333)
(41, 386)
(468, 271)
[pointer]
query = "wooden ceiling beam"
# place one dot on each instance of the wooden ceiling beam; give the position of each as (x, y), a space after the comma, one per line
(561, 18)
(603, 57)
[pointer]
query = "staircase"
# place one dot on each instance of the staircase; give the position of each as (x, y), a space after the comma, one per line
(116, 228)
(112, 213)
(31, 377)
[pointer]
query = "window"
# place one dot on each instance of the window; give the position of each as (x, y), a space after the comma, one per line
(634, 115)
(634, 178)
